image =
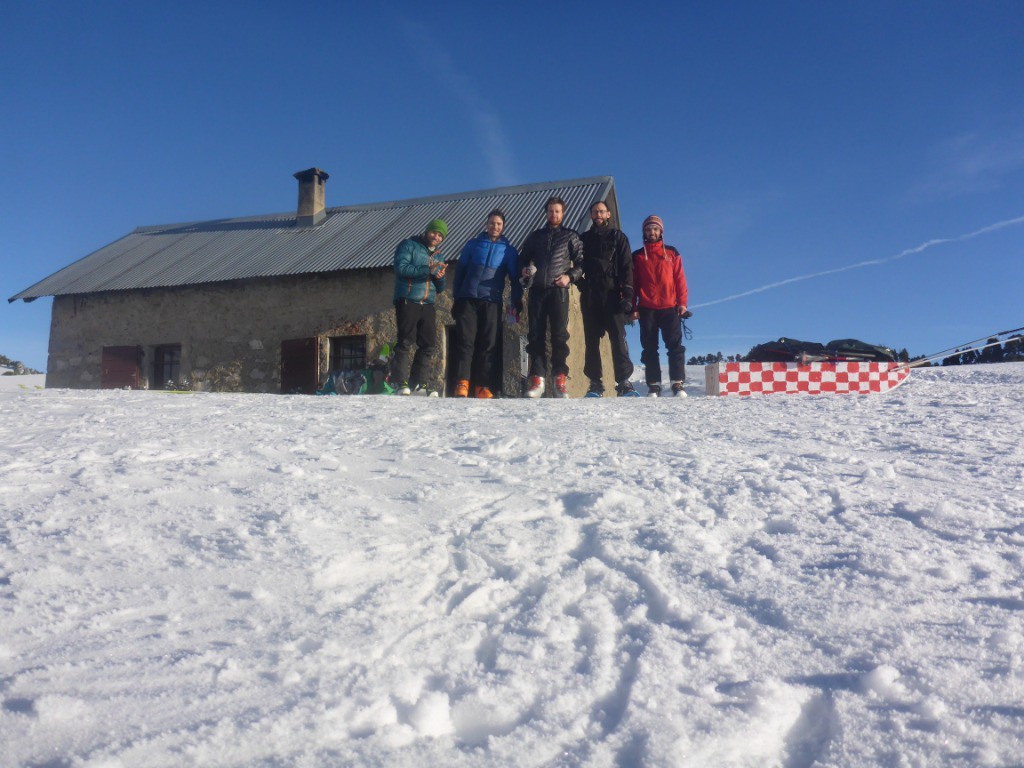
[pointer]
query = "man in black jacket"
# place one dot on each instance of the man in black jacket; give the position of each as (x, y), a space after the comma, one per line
(606, 299)
(550, 260)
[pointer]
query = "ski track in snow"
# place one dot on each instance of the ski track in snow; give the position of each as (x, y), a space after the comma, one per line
(786, 581)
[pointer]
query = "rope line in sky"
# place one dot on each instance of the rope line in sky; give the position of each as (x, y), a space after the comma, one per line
(868, 263)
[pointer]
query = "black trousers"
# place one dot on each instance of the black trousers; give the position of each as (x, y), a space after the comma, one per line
(417, 325)
(549, 310)
(476, 325)
(665, 321)
(597, 321)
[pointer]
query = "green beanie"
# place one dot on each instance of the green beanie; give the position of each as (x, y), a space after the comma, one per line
(438, 226)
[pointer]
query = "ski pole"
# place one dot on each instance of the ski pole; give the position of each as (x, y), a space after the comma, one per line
(965, 347)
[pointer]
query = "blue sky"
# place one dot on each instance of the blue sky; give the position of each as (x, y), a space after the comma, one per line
(777, 140)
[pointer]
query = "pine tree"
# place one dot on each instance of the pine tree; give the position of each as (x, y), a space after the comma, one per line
(993, 354)
(1013, 349)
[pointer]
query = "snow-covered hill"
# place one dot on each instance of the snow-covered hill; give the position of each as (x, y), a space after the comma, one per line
(202, 579)
(9, 382)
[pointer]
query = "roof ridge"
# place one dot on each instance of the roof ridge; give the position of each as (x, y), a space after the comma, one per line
(385, 204)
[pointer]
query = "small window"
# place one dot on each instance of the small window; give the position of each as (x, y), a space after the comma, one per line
(348, 353)
(167, 366)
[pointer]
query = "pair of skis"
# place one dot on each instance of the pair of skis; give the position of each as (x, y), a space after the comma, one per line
(970, 346)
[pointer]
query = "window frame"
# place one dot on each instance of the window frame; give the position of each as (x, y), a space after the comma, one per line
(348, 353)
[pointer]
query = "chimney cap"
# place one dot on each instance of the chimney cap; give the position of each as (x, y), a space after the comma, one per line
(310, 173)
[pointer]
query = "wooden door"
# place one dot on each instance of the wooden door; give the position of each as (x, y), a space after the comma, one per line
(120, 367)
(300, 363)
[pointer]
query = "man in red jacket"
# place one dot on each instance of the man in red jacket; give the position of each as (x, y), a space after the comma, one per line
(659, 303)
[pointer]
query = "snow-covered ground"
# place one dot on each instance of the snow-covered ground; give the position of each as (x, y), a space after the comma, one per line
(204, 579)
(11, 383)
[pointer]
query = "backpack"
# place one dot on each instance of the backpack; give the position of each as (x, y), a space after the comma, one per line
(378, 375)
(343, 383)
(854, 349)
(793, 351)
(786, 351)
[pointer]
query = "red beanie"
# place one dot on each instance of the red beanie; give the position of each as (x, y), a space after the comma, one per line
(656, 220)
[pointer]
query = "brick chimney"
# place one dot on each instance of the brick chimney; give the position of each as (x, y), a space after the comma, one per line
(311, 197)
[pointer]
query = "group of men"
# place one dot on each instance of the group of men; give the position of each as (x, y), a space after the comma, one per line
(617, 286)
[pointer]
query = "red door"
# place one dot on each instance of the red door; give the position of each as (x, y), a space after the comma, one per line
(120, 367)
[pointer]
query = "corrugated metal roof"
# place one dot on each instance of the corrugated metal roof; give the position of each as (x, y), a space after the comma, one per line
(350, 237)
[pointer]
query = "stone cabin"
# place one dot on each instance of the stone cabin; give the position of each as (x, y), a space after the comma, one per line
(275, 303)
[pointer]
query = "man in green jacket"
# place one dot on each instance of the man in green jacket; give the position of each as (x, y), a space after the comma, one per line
(419, 276)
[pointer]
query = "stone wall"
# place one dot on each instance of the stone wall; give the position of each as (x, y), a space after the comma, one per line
(231, 333)
(516, 371)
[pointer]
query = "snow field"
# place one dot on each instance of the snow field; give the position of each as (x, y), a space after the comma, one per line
(778, 581)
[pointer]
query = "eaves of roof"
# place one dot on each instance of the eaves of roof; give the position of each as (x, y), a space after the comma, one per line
(349, 237)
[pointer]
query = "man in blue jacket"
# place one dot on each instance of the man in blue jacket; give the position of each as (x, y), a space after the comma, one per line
(419, 276)
(485, 263)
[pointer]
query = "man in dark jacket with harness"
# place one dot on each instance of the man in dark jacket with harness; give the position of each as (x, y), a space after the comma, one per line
(550, 260)
(606, 299)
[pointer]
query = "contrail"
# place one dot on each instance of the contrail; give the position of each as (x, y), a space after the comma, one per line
(870, 262)
(491, 138)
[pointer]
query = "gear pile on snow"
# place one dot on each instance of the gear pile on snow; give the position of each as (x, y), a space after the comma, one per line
(373, 380)
(791, 366)
(787, 350)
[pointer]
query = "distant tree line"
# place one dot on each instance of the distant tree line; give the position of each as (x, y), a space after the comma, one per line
(717, 357)
(17, 367)
(1009, 351)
